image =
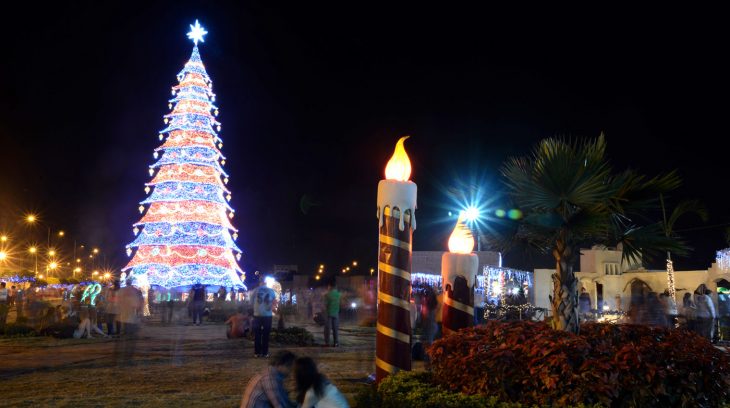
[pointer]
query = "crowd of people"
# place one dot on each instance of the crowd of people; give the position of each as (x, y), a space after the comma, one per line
(697, 314)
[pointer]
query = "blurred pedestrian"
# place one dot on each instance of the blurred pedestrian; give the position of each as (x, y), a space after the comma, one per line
(670, 309)
(705, 312)
(266, 389)
(113, 326)
(584, 303)
(314, 390)
(689, 311)
(198, 303)
(4, 303)
(263, 299)
(430, 308)
(332, 314)
(655, 311)
(129, 306)
(169, 307)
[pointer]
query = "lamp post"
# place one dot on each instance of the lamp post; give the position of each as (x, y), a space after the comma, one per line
(33, 250)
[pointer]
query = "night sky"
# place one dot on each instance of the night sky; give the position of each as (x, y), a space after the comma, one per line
(313, 98)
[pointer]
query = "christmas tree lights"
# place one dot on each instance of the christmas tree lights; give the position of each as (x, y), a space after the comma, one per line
(185, 235)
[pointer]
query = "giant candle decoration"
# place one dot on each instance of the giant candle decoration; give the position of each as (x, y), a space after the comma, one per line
(396, 220)
(458, 276)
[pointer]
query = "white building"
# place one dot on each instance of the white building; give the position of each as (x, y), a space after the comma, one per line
(606, 278)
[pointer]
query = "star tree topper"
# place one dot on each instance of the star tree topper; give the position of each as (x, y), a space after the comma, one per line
(197, 32)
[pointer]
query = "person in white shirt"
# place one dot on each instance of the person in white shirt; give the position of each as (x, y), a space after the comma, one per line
(313, 388)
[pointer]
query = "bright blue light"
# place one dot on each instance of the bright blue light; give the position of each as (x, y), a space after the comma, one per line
(185, 233)
(471, 214)
(197, 32)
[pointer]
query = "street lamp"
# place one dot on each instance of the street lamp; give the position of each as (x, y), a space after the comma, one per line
(3, 255)
(354, 263)
(31, 218)
(4, 238)
(33, 250)
(52, 252)
(61, 233)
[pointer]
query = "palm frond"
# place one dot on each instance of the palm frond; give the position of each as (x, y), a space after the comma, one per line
(683, 208)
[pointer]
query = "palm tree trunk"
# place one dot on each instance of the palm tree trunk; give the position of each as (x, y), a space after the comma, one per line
(564, 301)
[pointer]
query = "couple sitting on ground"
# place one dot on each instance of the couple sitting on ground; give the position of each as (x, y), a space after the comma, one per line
(313, 389)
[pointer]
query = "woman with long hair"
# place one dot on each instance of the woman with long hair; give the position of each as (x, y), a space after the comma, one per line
(313, 388)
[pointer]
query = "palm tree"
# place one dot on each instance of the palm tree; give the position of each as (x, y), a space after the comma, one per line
(682, 208)
(569, 195)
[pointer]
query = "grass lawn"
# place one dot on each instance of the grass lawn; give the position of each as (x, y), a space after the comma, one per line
(174, 366)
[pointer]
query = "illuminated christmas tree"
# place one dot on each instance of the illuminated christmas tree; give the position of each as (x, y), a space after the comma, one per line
(185, 236)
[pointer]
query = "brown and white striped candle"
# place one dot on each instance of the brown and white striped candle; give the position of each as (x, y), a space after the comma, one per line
(396, 217)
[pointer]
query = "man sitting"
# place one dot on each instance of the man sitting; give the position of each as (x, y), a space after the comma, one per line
(266, 390)
(240, 325)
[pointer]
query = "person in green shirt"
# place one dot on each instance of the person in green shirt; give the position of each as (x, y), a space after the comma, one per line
(332, 314)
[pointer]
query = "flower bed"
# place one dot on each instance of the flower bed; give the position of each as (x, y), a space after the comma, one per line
(612, 365)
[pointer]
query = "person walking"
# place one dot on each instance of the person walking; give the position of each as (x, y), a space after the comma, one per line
(689, 310)
(705, 313)
(198, 303)
(655, 310)
(670, 309)
(129, 307)
(314, 390)
(263, 299)
(266, 389)
(332, 314)
(113, 326)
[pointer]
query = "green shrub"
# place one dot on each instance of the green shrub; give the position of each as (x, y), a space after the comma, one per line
(415, 389)
(296, 336)
(612, 365)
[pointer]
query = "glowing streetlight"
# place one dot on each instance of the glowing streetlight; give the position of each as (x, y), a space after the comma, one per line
(31, 218)
(96, 250)
(354, 263)
(78, 260)
(61, 233)
(52, 252)
(3, 255)
(4, 238)
(52, 265)
(316, 277)
(321, 266)
(77, 269)
(95, 273)
(107, 275)
(32, 250)
(40, 276)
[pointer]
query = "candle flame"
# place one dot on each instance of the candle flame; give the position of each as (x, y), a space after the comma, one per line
(461, 240)
(399, 166)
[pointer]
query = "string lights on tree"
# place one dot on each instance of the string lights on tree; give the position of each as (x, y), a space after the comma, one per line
(185, 235)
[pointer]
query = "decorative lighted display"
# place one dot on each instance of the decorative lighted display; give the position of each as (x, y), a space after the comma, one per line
(461, 240)
(185, 234)
(670, 280)
(396, 221)
(197, 32)
(723, 259)
(495, 279)
(459, 273)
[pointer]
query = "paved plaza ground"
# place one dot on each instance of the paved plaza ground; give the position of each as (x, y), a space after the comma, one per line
(177, 366)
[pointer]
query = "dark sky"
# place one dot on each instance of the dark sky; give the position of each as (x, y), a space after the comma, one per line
(313, 98)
